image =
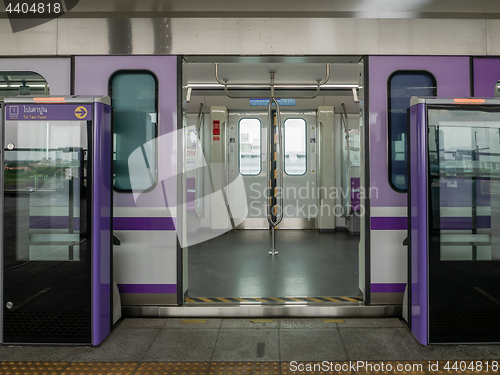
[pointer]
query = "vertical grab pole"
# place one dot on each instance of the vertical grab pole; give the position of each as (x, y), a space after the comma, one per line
(275, 143)
(348, 182)
(273, 242)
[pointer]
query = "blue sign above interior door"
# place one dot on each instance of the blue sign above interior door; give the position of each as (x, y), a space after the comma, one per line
(265, 102)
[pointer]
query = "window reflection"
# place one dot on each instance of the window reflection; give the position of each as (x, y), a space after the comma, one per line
(45, 189)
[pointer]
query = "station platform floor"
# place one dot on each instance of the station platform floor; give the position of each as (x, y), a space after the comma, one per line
(253, 346)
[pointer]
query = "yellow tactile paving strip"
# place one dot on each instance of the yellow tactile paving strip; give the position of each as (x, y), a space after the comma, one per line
(455, 367)
(100, 368)
(244, 368)
(173, 368)
(31, 368)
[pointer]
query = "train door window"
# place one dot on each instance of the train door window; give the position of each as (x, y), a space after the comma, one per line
(250, 146)
(22, 83)
(295, 146)
(135, 106)
(402, 85)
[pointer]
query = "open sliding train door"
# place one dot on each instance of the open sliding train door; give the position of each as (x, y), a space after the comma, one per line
(392, 81)
(145, 96)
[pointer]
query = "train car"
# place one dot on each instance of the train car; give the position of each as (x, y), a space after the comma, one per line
(260, 156)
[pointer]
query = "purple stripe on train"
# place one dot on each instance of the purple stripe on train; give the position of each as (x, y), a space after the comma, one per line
(147, 288)
(389, 223)
(388, 287)
(53, 222)
(144, 223)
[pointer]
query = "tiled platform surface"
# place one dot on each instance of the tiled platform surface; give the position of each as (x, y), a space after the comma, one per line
(247, 346)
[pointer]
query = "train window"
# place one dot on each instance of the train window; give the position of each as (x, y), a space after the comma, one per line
(22, 83)
(402, 85)
(497, 89)
(135, 107)
(250, 146)
(295, 146)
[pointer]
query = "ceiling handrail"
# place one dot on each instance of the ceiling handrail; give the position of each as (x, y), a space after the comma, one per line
(271, 86)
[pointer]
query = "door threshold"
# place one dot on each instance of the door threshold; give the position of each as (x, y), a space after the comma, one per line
(273, 300)
(298, 310)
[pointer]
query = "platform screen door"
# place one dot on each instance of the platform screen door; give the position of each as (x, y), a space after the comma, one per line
(464, 254)
(47, 285)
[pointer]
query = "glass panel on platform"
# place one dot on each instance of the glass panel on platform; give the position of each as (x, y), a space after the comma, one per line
(46, 252)
(464, 243)
(45, 172)
(465, 159)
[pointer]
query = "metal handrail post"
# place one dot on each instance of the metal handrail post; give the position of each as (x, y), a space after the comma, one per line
(274, 134)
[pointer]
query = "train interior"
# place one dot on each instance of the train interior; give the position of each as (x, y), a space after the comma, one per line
(305, 182)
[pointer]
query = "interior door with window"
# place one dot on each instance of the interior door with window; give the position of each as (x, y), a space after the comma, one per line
(251, 145)
(300, 192)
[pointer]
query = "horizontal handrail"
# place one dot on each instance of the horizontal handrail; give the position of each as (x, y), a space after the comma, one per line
(272, 86)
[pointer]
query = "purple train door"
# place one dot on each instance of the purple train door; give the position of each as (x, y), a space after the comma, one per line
(144, 96)
(486, 75)
(392, 80)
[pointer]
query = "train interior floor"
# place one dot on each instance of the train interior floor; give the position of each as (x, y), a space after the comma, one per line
(309, 264)
(245, 346)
